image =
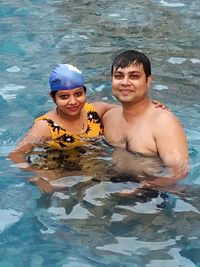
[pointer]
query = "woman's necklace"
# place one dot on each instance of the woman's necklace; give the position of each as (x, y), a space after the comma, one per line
(65, 126)
(83, 124)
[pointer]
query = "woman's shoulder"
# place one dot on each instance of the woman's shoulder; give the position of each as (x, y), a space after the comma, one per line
(47, 116)
(40, 127)
(89, 105)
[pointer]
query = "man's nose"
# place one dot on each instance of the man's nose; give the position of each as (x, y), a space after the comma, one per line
(125, 80)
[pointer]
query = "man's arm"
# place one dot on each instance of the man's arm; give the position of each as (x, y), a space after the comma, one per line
(172, 147)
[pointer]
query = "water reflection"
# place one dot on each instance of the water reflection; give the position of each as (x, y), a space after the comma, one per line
(154, 226)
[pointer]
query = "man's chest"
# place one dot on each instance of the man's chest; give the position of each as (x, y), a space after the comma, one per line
(136, 137)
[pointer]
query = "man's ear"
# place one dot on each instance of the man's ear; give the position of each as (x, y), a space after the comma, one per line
(149, 81)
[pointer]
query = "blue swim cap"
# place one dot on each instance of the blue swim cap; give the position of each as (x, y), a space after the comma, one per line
(65, 77)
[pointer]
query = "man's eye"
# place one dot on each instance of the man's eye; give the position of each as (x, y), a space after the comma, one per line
(118, 76)
(134, 76)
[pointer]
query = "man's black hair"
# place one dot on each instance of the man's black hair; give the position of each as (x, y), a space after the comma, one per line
(131, 57)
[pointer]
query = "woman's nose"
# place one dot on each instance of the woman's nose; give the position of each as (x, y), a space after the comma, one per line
(72, 100)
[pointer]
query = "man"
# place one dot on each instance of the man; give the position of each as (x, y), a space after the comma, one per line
(137, 126)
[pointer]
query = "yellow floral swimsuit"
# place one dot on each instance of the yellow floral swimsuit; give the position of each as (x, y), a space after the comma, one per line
(62, 139)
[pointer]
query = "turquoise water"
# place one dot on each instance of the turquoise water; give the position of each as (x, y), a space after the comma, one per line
(87, 224)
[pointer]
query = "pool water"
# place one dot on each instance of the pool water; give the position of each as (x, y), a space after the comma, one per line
(88, 223)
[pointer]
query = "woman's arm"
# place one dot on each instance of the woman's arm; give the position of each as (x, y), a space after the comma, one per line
(103, 107)
(36, 136)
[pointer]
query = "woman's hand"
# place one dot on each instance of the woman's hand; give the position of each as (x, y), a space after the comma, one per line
(43, 184)
(159, 104)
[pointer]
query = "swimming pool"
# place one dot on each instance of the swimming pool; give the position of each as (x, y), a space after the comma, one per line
(87, 224)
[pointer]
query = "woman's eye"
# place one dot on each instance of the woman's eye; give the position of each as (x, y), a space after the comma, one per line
(78, 94)
(63, 96)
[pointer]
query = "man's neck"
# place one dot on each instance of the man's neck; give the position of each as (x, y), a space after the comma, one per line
(134, 110)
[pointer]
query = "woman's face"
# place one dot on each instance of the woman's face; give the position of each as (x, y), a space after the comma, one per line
(70, 102)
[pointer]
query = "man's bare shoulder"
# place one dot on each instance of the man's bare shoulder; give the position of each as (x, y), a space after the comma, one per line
(162, 116)
(166, 122)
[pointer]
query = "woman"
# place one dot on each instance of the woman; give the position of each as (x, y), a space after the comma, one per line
(71, 124)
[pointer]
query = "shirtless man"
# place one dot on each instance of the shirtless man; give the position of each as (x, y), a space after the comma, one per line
(138, 127)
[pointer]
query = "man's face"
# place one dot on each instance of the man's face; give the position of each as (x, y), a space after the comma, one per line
(129, 84)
